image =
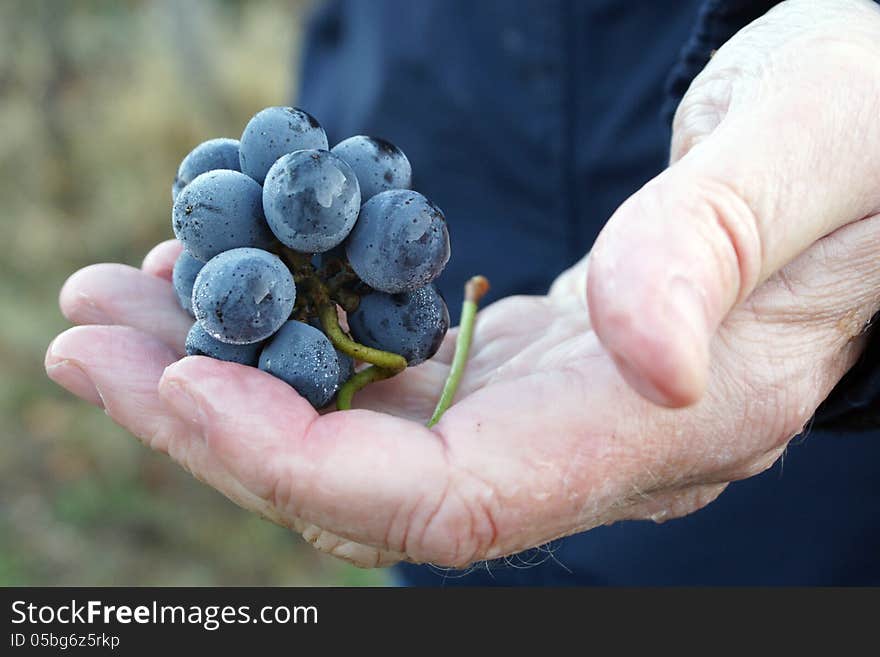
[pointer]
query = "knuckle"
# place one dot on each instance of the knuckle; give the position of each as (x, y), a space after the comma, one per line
(357, 554)
(701, 110)
(458, 528)
(758, 464)
(683, 503)
(774, 401)
(797, 396)
(723, 227)
(731, 223)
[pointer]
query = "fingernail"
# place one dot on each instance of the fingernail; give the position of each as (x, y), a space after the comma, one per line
(639, 383)
(688, 332)
(80, 308)
(687, 307)
(182, 402)
(90, 312)
(672, 372)
(71, 376)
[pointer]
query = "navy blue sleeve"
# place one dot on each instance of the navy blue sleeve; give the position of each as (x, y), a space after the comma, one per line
(717, 22)
(855, 401)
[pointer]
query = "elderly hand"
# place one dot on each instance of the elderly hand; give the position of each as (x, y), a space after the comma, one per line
(737, 283)
(775, 145)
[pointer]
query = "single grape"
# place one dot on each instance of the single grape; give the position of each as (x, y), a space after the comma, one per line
(243, 296)
(311, 199)
(346, 363)
(207, 156)
(304, 357)
(276, 131)
(200, 343)
(378, 164)
(399, 243)
(346, 367)
(218, 211)
(412, 324)
(183, 276)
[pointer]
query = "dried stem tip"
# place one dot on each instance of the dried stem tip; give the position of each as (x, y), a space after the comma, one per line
(476, 288)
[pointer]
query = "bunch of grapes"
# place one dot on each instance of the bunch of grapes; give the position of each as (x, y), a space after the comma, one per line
(284, 237)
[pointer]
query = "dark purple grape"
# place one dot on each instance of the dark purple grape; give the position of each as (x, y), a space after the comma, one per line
(399, 243)
(378, 164)
(183, 276)
(243, 296)
(304, 357)
(277, 131)
(200, 343)
(218, 211)
(411, 324)
(311, 199)
(207, 156)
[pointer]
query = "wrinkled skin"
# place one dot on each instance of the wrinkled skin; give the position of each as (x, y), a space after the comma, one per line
(766, 229)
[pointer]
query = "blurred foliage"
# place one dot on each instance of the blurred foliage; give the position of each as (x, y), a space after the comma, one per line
(99, 101)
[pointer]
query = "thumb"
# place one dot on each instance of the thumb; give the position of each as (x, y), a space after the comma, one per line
(795, 156)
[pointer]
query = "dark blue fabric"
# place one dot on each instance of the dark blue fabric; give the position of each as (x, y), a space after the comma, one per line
(718, 20)
(529, 122)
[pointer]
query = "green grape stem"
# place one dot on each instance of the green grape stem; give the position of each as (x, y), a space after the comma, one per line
(474, 290)
(316, 297)
(359, 381)
(321, 298)
(330, 322)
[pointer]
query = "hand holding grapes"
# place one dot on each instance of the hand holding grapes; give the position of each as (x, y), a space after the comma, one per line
(545, 437)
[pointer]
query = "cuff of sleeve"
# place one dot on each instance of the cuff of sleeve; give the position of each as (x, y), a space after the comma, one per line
(855, 401)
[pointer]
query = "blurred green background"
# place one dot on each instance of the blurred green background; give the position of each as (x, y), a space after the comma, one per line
(99, 101)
